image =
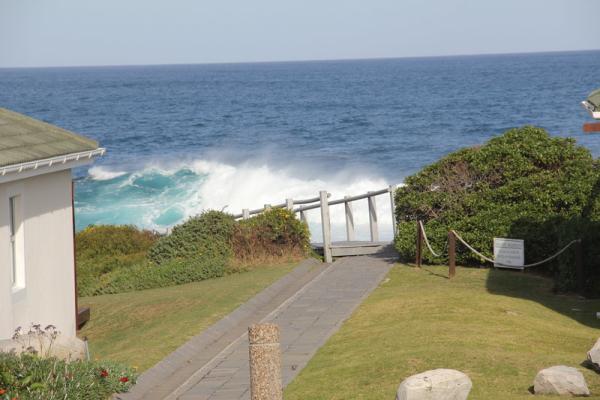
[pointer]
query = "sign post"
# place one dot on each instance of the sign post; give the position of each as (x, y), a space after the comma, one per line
(509, 253)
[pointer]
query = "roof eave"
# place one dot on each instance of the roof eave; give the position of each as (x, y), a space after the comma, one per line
(47, 165)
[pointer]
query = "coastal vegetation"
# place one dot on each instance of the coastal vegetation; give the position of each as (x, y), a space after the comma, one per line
(116, 259)
(499, 327)
(524, 184)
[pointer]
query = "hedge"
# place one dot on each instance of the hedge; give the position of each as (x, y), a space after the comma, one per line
(149, 276)
(524, 184)
(274, 234)
(206, 234)
(102, 249)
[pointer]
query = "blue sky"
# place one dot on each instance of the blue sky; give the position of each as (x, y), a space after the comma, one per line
(119, 32)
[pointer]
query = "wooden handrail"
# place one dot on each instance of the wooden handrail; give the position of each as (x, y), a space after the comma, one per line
(316, 201)
(246, 212)
(348, 199)
(323, 203)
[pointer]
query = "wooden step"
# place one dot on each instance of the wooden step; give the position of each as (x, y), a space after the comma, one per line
(354, 248)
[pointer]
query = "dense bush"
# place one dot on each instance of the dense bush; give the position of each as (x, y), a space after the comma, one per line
(149, 276)
(28, 376)
(271, 235)
(207, 234)
(121, 259)
(100, 241)
(105, 248)
(524, 184)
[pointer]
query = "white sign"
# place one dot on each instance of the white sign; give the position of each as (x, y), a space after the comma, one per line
(509, 252)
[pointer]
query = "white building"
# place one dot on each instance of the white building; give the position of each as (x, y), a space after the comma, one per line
(37, 265)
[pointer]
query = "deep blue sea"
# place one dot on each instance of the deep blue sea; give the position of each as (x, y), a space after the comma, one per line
(185, 138)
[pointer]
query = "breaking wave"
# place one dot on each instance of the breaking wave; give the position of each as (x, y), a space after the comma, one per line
(158, 197)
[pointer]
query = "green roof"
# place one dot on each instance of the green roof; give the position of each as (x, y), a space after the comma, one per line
(24, 139)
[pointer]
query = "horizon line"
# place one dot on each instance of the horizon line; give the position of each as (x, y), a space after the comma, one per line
(301, 60)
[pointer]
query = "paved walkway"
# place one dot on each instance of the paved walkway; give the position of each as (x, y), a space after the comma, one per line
(309, 305)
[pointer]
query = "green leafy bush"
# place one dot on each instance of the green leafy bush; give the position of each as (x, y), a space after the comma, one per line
(207, 234)
(149, 276)
(123, 259)
(104, 248)
(271, 235)
(524, 184)
(101, 241)
(29, 377)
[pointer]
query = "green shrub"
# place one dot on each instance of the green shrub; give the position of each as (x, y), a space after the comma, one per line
(92, 273)
(104, 248)
(524, 184)
(207, 246)
(271, 235)
(27, 376)
(207, 234)
(103, 241)
(149, 276)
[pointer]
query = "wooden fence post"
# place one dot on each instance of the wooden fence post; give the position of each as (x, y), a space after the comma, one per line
(349, 220)
(303, 217)
(289, 204)
(326, 224)
(373, 219)
(579, 268)
(265, 362)
(392, 189)
(419, 252)
(451, 254)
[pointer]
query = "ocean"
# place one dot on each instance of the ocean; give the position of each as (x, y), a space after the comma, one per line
(184, 138)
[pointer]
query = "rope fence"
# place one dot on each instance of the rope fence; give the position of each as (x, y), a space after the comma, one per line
(535, 264)
(422, 227)
(450, 247)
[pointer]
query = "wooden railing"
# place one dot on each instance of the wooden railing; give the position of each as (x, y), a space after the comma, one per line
(323, 202)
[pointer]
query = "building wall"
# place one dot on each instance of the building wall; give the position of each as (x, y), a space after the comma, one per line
(48, 296)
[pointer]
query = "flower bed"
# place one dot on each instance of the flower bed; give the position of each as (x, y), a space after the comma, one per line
(28, 376)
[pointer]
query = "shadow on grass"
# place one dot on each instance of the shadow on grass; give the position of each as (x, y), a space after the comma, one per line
(530, 286)
(561, 275)
(432, 273)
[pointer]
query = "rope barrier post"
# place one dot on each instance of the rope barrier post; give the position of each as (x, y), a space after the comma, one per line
(451, 254)
(579, 267)
(419, 252)
(265, 362)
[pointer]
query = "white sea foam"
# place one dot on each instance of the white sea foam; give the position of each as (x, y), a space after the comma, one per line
(99, 173)
(190, 188)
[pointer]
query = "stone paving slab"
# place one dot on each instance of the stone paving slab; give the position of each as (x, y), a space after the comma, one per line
(307, 318)
(165, 377)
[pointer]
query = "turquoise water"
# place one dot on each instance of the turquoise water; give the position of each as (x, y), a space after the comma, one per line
(181, 139)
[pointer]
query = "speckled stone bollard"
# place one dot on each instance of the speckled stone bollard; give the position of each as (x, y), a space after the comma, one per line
(265, 362)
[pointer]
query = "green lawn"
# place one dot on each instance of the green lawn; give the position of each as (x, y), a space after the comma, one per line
(140, 328)
(499, 327)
